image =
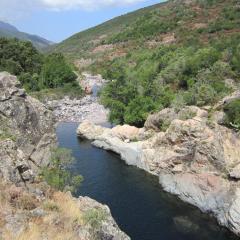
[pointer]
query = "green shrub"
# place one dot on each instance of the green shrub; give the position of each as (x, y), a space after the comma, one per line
(138, 109)
(58, 175)
(35, 71)
(232, 111)
(94, 217)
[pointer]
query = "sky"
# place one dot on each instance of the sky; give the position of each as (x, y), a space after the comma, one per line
(57, 20)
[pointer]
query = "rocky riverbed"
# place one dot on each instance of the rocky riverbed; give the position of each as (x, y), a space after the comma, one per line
(87, 108)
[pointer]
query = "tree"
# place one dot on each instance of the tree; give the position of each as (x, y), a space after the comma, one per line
(232, 111)
(56, 72)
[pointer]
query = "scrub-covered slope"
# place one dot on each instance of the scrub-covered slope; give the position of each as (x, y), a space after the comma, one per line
(173, 54)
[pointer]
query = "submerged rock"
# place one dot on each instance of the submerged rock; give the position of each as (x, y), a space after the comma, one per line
(196, 160)
(185, 225)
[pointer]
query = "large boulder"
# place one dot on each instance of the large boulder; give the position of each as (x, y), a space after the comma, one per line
(126, 132)
(29, 125)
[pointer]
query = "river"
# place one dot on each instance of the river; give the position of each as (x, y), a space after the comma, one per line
(137, 202)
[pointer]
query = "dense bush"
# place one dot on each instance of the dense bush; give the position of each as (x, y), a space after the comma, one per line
(56, 72)
(19, 57)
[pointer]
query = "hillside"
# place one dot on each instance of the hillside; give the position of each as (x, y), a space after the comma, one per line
(168, 55)
(9, 31)
(78, 45)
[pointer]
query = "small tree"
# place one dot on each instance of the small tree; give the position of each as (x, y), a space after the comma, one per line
(58, 174)
(232, 111)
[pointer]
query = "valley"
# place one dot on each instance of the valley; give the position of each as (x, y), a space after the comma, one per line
(141, 113)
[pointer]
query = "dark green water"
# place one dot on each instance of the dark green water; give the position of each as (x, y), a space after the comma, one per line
(137, 202)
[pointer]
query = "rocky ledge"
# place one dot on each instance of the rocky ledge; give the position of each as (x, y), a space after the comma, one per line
(194, 157)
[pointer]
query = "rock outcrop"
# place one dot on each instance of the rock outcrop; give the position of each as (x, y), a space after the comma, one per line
(194, 157)
(27, 132)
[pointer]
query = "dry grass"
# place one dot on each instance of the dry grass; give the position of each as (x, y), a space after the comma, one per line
(68, 207)
(61, 220)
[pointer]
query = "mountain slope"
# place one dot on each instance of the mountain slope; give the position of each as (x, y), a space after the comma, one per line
(77, 45)
(198, 17)
(183, 52)
(9, 31)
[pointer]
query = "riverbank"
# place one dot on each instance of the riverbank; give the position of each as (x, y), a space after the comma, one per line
(194, 157)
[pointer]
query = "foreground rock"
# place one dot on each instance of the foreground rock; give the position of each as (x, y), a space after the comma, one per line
(41, 214)
(27, 132)
(194, 157)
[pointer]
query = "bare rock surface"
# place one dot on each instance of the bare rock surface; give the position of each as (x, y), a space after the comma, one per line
(27, 132)
(195, 158)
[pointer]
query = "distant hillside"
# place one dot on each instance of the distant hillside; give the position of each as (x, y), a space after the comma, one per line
(9, 31)
(182, 52)
(199, 19)
(79, 44)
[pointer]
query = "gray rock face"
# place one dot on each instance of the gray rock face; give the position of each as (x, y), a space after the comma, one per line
(28, 132)
(196, 160)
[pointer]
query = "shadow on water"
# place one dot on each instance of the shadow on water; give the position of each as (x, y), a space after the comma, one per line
(137, 202)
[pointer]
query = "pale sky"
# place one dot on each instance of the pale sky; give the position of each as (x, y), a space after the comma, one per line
(56, 20)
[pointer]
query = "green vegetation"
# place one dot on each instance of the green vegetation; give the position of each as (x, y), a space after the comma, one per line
(36, 71)
(79, 45)
(164, 77)
(94, 218)
(58, 175)
(232, 111)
